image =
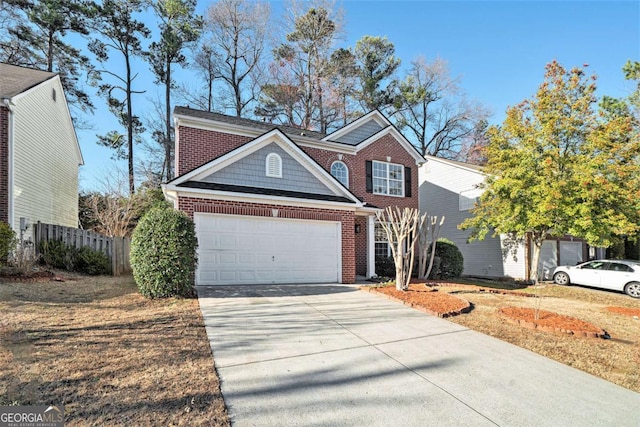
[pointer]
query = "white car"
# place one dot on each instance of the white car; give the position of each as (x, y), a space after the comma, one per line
(619, 275)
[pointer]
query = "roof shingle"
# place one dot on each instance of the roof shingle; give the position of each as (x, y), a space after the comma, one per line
(14, 80)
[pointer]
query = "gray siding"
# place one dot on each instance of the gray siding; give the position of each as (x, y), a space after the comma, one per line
(250, 172)
(439, 195)
(360, 133)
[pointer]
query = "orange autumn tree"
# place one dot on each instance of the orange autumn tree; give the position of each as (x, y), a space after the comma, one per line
(558, 165)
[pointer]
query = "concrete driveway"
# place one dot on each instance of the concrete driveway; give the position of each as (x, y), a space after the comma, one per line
(331, 355)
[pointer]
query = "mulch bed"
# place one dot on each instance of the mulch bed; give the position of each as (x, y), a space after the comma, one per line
(425, 299)
(551, 322)
(634, 312)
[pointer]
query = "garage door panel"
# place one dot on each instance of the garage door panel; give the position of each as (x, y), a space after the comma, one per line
(248, 250)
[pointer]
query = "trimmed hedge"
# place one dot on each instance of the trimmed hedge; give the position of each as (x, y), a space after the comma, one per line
(450, 258)
(163, 253)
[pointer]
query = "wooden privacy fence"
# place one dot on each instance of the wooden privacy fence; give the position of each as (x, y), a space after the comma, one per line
(116, 248)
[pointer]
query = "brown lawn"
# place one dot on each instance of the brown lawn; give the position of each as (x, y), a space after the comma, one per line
(616, 359)
(109, 355)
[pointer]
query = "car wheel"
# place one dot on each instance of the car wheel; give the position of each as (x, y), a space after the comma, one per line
(632, 289)
(561, 278)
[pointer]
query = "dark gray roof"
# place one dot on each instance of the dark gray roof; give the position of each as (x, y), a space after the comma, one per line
(255, 124)
(14, 80)
(263, 191)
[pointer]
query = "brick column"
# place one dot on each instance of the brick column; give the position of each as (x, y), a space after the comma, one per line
(4, 164)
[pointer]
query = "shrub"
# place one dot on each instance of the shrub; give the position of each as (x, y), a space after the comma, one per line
(92, 262)
(385, 267)
(451, 260)
(163, 254)
(7, 242)
(23, 258)
(57, 254)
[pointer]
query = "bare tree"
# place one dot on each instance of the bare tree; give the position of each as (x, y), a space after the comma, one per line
(401, 227)
(236, 41)
(427, 237)
(432, 107)
(112, 210)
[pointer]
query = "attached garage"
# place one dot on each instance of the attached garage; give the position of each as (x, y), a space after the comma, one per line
(238, 250)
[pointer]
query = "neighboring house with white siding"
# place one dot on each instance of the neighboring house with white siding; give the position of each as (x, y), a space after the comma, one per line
(450, 188)
(39, 151)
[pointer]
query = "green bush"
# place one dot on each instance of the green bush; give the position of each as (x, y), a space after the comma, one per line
(92, 262)
(57, 254)
(163, 254)
(450, 258)
(8, 242)
(385, 267)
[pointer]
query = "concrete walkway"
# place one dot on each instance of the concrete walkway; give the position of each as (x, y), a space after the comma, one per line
(331, 355)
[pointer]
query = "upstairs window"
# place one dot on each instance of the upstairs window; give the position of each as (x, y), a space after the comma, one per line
(274, 165)
(340, 172)
(388, 179)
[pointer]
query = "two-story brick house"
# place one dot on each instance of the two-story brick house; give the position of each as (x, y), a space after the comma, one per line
(277, 204)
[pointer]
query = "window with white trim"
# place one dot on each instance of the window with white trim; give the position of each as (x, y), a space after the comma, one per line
(340, 172)
(382, 248)
(274, 165)
(388, 179)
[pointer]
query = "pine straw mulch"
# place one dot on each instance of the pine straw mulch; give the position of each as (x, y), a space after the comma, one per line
(110, 356)
(616, 359)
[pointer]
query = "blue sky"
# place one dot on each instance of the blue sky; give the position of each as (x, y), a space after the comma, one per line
(498, 48)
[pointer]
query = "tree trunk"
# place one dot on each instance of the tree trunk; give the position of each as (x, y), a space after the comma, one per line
(132, 186)
(536, 248)
(167, 142)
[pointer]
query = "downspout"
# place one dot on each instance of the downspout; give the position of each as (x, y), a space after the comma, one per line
(7, 103)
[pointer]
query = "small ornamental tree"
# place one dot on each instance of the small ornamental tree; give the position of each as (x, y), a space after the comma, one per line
(163, 253)
(427, 238)
(401, 228)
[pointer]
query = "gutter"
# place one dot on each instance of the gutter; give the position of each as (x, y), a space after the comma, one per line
(10, 166)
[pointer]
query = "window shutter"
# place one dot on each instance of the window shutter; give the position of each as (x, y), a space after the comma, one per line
(369, 176)
(407, 181)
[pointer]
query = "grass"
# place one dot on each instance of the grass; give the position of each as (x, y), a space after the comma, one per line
(110, 356)
(616, 360)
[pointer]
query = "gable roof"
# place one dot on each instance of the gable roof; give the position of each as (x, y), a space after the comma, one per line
(372, 116)
(15, 80)
(456, 163)
(192, 179)
(239, 121)
(302, 136)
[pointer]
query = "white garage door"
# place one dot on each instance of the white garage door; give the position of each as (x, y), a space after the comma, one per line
(235, 250)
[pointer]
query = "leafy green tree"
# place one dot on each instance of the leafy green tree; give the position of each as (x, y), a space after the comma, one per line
(343, 79)
(120, 32)
(377, 63)
(35, 37)
(557, 166)
(179, 26)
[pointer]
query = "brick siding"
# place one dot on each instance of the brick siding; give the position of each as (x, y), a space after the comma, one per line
(198, 146)
(190, 205)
